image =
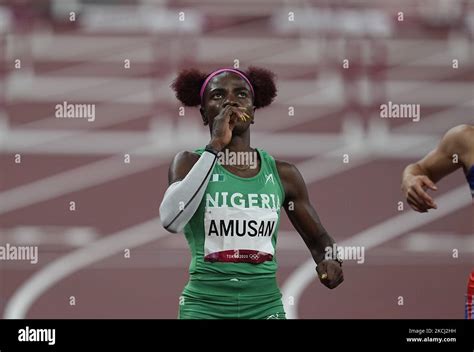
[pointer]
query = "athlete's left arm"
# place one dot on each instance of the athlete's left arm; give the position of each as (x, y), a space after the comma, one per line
(306, 221)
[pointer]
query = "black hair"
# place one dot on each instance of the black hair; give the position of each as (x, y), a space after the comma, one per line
(188, 83)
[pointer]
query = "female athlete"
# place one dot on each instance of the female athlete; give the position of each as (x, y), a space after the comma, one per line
(227, 197)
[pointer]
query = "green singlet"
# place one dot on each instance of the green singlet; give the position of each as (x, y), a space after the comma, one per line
(232, 238)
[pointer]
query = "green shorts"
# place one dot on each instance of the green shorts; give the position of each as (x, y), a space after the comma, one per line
(231, 299)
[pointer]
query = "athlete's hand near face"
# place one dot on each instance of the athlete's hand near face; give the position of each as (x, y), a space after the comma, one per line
(223, 125)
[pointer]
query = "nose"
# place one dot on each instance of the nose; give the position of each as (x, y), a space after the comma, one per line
(230, 101)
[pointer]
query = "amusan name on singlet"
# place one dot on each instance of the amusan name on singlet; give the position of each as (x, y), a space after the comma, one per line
(241, 226)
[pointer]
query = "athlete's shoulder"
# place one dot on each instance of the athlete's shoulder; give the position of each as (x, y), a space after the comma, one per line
(292, 180)
(288, 171)
(266, 156)
(180, 166)
(265, 153)
(186, 156)
(285, 166)
(461, 131)
(458, 139)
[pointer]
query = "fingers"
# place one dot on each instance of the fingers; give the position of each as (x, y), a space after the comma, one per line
(232, 120)
(323, 274)
(330, 274)
(238, 115)
(423, 195)
(426, 182)
(227, 111)
(223, 117)
(429, 183)
(334, 275)
(233, 115)
(416, 194)
(416, 202)
(245, 114)
(414, 206)
(332, 280)
(330, 269)
(337, 282)
(245, 117)
(241, 113)
(321, 269)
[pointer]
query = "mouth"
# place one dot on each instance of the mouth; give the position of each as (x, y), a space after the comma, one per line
(243, 116)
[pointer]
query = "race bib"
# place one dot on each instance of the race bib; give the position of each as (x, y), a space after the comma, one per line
(239, 235)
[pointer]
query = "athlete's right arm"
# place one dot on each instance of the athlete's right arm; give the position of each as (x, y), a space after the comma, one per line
(188, 177)
(443, 160)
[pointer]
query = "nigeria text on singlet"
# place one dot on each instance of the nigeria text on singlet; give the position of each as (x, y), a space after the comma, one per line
(234, 230)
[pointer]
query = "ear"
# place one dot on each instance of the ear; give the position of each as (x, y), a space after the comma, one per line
(203, 116)
(253, 108)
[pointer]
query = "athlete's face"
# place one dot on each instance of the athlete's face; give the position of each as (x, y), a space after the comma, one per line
(225, 89)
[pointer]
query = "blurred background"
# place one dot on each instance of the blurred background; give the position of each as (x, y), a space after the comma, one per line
(86, 191)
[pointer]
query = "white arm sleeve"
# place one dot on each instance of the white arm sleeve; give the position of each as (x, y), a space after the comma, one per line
(182, 198)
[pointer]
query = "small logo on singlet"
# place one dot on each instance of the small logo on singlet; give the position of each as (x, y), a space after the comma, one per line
(273, 316)
(217, 178)
(269, 177)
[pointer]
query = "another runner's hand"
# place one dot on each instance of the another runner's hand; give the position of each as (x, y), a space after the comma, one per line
(414, 188)
(330, 273)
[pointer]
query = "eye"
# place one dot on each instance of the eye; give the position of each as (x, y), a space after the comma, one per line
(243, 95)
(217, 96)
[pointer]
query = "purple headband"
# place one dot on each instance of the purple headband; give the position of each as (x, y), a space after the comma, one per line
(201, 93)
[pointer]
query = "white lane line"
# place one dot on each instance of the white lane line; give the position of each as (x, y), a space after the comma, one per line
(106, 143)
(21, 305)
(71, 181)
(372, 237)
(71, 236)
(106, 110)
(107, 115)
(23, 298)
(160, 149)
(42, 280)
(44, 284)
(429, 242)
(63, 183)
(328, 167)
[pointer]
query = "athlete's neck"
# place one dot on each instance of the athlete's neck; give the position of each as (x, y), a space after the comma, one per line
(240, 143)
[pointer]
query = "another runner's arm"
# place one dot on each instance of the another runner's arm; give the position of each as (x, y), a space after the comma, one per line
(447, 157)
(188, 177)
(306, 221)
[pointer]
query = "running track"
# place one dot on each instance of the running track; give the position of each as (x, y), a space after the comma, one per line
(83, 252)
